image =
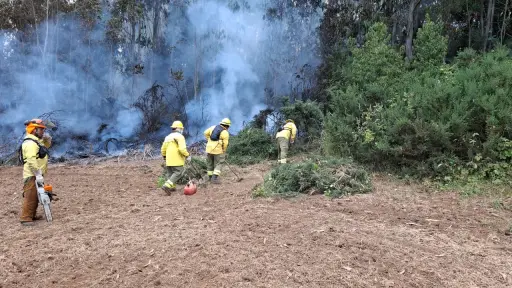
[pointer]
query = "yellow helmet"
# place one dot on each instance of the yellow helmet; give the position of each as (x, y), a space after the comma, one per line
(289, 121)
(177, 124)
(226, 122)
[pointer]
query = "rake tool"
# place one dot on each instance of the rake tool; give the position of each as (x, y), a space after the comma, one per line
(233, 171)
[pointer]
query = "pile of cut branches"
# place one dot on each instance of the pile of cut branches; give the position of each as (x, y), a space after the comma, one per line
(196, 169)
(331, 177)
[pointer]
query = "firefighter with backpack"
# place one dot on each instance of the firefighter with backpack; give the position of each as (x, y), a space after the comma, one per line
(34, 155)
(285, 136)
(218, 140)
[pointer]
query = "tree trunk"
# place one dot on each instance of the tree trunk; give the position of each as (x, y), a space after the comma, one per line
(35, 25)
(394, 29)
(410, 28)
(133, 59)
(47, 65)
(488, 25)
(197, 64)
(504, 25)
(482, 20)
(47, 28)
(157, 5)
(156, 23)
(468, 23)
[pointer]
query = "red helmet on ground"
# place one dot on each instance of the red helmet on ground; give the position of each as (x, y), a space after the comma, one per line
(190, 188)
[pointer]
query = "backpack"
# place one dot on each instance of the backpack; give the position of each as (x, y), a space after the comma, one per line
(41, 153)
(215, 136)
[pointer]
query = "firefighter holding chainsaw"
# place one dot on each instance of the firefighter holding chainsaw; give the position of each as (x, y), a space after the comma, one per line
(218, 140)
(285, 136)
(175, 153)
(34, 154)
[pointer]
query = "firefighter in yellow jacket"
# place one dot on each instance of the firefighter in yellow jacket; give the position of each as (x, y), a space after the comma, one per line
(285, 136)
(174, 150)
(218, 140)
(34, 153)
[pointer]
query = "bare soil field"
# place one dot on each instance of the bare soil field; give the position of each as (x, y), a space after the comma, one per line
(113, 228)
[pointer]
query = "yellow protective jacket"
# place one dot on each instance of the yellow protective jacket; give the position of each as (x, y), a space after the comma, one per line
(30, 150)
(290, 130)
(174, 149)
(216, 147)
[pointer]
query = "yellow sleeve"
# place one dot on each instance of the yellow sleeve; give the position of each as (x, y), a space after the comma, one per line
(224, 135)
(182, 146)
(207, 133)
(164, 147)
(294, 132)
(30, 154)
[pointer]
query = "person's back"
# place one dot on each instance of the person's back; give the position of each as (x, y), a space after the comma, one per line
(174, 151)
(218, 141)
(289, 131)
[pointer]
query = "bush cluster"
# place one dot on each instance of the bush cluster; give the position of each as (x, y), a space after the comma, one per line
(250, 146)
(256, 142)
(424, 118)
(329, 176)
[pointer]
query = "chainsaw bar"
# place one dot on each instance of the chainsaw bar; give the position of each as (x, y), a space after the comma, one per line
(45, 200)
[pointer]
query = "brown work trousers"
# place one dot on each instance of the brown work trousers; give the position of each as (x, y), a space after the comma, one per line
(30, 200)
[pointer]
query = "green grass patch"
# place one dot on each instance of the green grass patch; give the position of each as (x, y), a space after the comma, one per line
(472, 187)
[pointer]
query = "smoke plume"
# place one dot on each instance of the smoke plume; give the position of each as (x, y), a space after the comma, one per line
(230, 53)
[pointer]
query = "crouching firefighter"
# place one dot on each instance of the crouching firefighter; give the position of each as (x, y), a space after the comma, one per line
(34, 155)
(218, 139)
(174, 150)
(285, 136)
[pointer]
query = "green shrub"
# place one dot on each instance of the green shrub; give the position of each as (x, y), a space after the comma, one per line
(250, 146)
(308, 118)
(429, 120)
(331, 177)
(160, 181)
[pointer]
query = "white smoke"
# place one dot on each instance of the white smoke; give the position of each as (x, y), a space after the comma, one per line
(248, 46)
(237, 52)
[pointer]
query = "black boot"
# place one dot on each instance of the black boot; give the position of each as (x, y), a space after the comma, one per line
(215, 179)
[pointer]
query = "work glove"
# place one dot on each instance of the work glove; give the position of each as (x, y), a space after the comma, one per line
(39, 177)
(47, 137)
(189, 159)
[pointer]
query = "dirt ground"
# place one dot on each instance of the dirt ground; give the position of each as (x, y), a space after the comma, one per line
(113, 228)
